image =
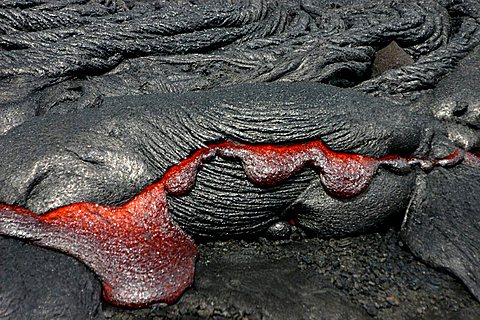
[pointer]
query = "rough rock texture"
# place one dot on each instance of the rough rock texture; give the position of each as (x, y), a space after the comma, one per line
(456, 102)
(59, 57)
(68, 290)
(390, 57)
(277, 95)
(374, 273)
(277, 289)
(109, 154)
(435, 206)
(385, 200)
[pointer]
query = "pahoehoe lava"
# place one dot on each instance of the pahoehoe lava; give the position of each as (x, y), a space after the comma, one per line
(96, 105)
(142, 257)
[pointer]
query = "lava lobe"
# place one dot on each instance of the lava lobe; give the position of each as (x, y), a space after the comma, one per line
(137, 251)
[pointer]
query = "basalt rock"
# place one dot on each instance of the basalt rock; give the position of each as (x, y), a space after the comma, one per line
(441, 227)
(339, 140)
(238, 283)
(107, 155)
(67, 289)
(79, 152)
(73, 131)
(61, 56)
(456, 102)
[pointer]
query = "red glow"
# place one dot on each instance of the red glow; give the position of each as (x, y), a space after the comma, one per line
(141, 256)
(472, 159)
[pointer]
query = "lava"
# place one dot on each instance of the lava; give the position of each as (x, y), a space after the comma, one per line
(137, 251)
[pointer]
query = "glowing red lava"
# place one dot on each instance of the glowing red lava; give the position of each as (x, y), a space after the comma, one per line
(141, 256)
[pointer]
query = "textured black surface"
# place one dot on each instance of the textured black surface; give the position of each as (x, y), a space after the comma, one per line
(266, 288)
(456, 101)
(107, 155)
(62, 56)
(374, 272)
(59, 56)
(75, 148)
(442, 222)
(68, 290)
(384, 201)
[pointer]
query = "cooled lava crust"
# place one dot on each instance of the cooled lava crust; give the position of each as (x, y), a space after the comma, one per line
(142, 255)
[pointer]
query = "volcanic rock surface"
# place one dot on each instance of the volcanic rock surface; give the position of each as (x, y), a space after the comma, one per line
(374, 276)
(75, 128)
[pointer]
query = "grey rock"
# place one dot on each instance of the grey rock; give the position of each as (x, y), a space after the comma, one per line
(441, 224)
(262, 288)
(384, 201)
(60, 57)
(37, 283)
(456, 100)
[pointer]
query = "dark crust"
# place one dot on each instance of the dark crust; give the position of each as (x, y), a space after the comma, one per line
(60, 56)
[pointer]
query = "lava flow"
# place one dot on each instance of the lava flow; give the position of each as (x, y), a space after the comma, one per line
(141, 256)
